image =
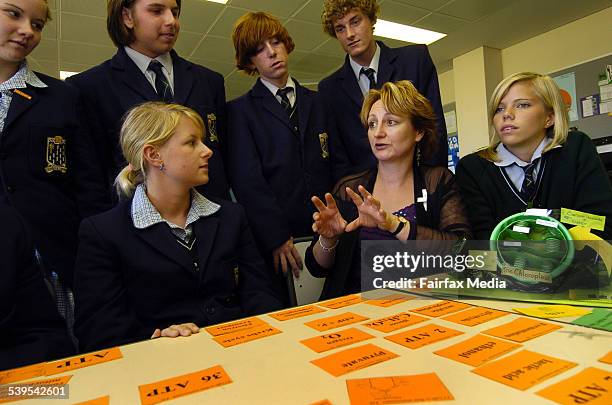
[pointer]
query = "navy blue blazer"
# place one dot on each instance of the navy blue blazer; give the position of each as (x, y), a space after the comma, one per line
(131, 281)
(273, 171)
(110, 89)
(32, 330)
(344, 99)
(49, 170)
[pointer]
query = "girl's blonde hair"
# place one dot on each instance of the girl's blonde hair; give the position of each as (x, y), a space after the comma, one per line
(151, 123)
(548, 91)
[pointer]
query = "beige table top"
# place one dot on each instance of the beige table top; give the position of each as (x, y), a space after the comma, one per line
(277, 369)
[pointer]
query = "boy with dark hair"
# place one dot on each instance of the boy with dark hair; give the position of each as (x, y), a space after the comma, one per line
(281, 151)
(146, 68)
(370, 64)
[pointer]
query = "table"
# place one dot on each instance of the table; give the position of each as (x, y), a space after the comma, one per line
(277, 369)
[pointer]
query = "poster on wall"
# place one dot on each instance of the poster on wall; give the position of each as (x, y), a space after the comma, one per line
(567, 84)
(453, 152)
(450, 118)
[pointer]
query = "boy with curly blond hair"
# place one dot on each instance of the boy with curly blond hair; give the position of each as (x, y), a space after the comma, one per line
(370, 64)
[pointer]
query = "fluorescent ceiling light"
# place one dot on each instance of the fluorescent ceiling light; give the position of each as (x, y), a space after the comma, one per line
(218, 1)
(65, 74)
(406, 33)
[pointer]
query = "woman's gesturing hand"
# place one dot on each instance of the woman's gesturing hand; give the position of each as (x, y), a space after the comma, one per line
(328, 221)
(371, 214)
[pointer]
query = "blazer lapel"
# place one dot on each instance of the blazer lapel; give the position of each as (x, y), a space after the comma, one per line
(349, 83)
(385, 65)
(304, 106)
(270, 102)
(160, 237)
(127, 74)
(22, 101)
(205, 231)
(183, 79)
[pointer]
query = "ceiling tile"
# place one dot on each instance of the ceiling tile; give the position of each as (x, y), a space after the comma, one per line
(317, 63)
(425, 4)
(87, 7)
(332, 47)
(401, 13)
(80, 28)
(219, 67)
(474, 9)
(74, 67)
(279, 8)
(186, 43)
(217, 49)
(311, 13)
(46, 67)
(50, 30)
(440, 23)
(197, 15)
(393, 43)
(305, 35)
(225, 25)
(74, 52)
(46, 50)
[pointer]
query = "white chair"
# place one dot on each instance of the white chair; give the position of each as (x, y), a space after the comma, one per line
(306, 289)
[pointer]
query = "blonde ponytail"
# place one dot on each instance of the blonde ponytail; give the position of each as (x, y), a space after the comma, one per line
(127, 180)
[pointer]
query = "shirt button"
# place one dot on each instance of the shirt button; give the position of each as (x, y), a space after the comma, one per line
(10, 189)
(210, 310)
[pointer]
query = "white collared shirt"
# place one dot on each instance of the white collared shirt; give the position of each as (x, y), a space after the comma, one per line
(514, 166)
(19, 80)
(274, 88)
(364, 82)
(144, 213)
(143, 61)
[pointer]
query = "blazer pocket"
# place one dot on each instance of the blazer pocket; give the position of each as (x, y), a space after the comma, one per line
(48, 152)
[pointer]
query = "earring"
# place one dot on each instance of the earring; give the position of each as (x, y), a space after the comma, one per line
(418, 154)
(162, 167)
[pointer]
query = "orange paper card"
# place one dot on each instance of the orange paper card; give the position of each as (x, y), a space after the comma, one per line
(22, 373)
(341, 302)
(85, 360)
(237, 326)
(336, 321)
(475, 316)
(63, 380)
(590, 386)
(98, 401)
(605, 359)
(340, 338)
(524, 369)
(236, 338)
(399, 389)
(353, 359)
(296, 313)
(419, 337)
(395, 322)
(441, 308)
(389, 300)
(477, 350)
(183, 385)
(522, 329)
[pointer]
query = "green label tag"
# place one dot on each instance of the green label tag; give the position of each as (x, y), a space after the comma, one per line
(583, 219)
